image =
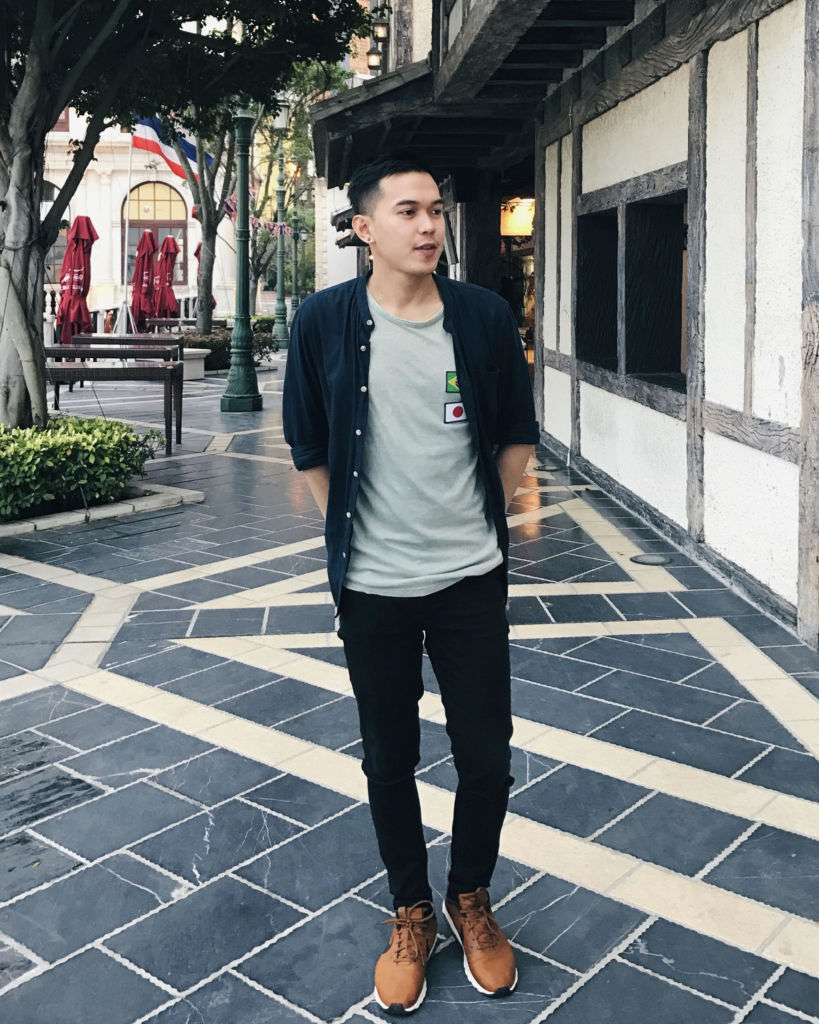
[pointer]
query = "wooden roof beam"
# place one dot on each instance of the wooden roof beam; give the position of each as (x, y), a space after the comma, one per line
(582, 13)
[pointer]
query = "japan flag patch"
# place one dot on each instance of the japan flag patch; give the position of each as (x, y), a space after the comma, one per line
(454, 412)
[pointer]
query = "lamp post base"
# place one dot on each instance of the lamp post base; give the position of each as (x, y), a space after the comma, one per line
(241, 403)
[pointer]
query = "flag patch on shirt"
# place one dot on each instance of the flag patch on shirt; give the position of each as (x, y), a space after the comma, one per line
(454, 412)
(452, 382)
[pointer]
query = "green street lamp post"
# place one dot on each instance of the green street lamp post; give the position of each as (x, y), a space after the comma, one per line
(294, 304)
(242, 391)
(280, 333)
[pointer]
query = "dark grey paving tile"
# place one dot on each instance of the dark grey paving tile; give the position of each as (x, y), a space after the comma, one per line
(553, 645)
(249, 576)
(30, 629)
(145, 877)
(55, 922)
(137, 756)
(677, 643)
(718, 679)
(524, 610)
(143, 570)
(216, 776)
(793, 658)
(13, 964)
(648, 606)
(555, 707)
(525, 768)
(786, 772)
(25, 863)
(678, 834)
(150, 601)
(27, 752)
(27, 656)
(280, 700)
(228, 1000)
(762, 630)
(294, 565)
(315, 868)
(566, 923)
(316, 618)
(232, 622)
(452, 1000)
(8, 671)
(96, 726)
(170, 664)
(676, 741)
(542, 548)
(550, 669)
(88, 989)
(297, 798)
(334, 725)
(235, 917)
(715, 602)
(120, 653)
(116, 820)
(326, 965)
(640, 658)
(695, 578)
(797, 991)
(569, 566)
(213, 842)
(659, 696)
(43, 596)
(580, 608)
(138, 631)
(752, 720)
(197, 590)
(700, 963)
(27, 800)
(225, 680)
(576, 800)
(763, 1014)
(621, 995)
(774, 867)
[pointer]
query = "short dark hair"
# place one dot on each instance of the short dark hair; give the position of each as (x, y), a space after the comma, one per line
(365, 182)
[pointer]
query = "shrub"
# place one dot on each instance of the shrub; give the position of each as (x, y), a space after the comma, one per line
(219, 344)
(71, 463)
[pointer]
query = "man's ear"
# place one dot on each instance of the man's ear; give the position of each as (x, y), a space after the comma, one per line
(361, 226)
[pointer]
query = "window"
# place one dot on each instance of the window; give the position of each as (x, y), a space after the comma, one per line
(61, 124)
(156, 206)
(631, 314)
(596, 331)
(655, 307)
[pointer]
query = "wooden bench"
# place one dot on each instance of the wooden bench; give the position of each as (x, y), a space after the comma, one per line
(193, 358)
(71, 364)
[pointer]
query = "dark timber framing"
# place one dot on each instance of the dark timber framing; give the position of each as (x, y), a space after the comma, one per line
(539, 248)
(559, 240)
(621, 290)
(697, 173)
(808, 594)
(750, 216)
(646, 186)
(577, 177)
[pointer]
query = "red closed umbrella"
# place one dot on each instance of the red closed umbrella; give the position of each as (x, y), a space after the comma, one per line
(197, 252)
(165, 304)
(142, 300)
(75, 280)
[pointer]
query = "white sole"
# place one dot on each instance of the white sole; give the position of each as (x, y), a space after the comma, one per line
(469, 976)
(409, 1009)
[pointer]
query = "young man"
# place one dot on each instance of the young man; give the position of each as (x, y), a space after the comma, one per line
(408, 407)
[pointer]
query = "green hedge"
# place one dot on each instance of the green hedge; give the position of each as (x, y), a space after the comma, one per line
(72, 463)
(219, 344)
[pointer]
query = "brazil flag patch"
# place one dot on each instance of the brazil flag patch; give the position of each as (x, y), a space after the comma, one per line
(452, 382)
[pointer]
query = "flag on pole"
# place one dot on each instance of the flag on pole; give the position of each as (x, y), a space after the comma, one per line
(151, 135)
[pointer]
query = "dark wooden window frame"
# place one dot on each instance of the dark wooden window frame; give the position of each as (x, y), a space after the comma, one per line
(153, 225)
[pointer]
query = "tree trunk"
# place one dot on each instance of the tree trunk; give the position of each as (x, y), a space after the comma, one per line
(22, 361)
(204, 280)
(254, 293)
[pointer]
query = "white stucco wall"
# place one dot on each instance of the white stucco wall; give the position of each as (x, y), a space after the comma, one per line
(557, 404)
(642, 449)
(725, 303)
(550, 209)
(777, 350)
(641, 134)
(766, 544)
(421, 28)
(566, 265)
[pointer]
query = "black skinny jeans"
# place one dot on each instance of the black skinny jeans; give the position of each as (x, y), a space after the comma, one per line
(466, 634)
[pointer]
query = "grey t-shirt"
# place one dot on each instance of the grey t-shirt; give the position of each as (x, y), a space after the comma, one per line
(419, 524)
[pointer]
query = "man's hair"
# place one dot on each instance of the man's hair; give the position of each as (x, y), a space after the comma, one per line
(365, 182)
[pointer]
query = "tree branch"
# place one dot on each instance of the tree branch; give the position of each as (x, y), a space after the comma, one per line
(229, 180)
(190, 177)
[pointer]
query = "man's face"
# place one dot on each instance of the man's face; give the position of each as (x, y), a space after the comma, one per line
(405, 224)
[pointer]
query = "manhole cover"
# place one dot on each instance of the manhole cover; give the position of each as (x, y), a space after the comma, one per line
(651, 559)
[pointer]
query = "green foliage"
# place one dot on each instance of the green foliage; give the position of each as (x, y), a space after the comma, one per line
(71, 463)
(219, 344)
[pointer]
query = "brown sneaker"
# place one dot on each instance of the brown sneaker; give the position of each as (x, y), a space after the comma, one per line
(400, 971)
(489, 960)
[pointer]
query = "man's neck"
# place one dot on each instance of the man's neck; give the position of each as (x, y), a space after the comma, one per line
(408, 296)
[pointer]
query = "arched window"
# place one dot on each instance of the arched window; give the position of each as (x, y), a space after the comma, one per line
(156, 206)
(54, 256)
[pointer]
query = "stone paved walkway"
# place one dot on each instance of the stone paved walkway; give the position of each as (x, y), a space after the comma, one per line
(183, 834)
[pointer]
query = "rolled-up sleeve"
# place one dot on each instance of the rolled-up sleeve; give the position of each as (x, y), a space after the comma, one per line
(303, 411)
(517, 421)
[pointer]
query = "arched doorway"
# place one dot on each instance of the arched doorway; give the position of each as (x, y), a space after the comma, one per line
(156, 206)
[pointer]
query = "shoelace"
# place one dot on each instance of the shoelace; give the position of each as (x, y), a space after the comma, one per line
(406, 928)
(483, 928)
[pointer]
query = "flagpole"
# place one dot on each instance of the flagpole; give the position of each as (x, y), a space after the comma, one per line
(124, 315)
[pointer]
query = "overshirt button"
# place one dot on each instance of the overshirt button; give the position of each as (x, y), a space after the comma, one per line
(363, 387)
(369, 323)
(343, 554)
(363, 348)
(349, 515)
(358, 433)
(355, 472)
